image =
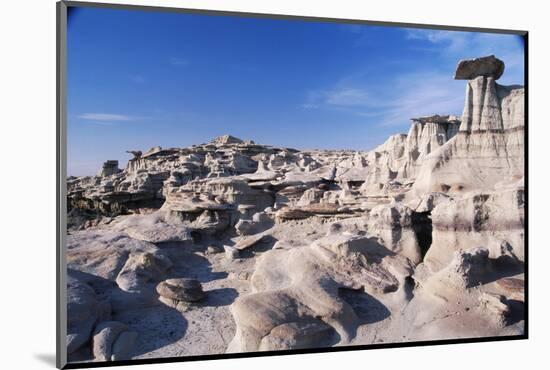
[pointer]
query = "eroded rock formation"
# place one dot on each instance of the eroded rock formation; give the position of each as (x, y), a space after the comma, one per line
(421, 238)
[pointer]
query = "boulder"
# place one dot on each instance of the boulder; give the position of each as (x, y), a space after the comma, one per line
(106, 335)
(123, 346)
(83, 310)
(186, 290)
(210, 222)
(296, 335)
(496, 307)
(142, 269)
(231, 253)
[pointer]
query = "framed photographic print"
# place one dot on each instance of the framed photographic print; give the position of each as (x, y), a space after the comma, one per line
(235, 184)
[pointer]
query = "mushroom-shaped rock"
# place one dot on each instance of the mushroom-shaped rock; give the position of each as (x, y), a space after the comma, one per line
(136, 153)
(489, 66)
(186, 290)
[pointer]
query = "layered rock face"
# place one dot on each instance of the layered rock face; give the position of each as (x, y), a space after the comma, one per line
(489, 145)
(494, 220)
(401, 157)
(425, 136)
(234, 246)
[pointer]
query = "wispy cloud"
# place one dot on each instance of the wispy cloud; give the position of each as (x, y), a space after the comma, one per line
(179, 62)
(422, 94)
(446, 41)
(107, 117)
(349, 97)
(395, 102)
(457, 45)
(345, 97)
(428, 90)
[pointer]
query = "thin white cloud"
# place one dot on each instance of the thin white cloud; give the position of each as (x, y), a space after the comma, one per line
(180, 62)
(458, 45)
(106, 117)
(349, 97)
(447, 41)
(395, 102)
(452, 46)
(424, 94)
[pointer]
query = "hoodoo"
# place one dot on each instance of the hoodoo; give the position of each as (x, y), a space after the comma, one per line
(489, 146)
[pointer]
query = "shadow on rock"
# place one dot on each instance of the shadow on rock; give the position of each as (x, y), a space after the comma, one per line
(517, 311)
(367, 308)
(188, 264)
(376, 251)
(99, 285)
(220, 297)
(501, 267)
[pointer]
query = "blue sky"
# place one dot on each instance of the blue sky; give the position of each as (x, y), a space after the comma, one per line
(139, 79)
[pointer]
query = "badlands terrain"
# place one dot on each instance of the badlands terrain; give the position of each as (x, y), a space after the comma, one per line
(234, 246)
